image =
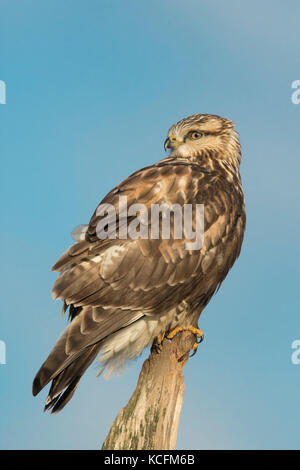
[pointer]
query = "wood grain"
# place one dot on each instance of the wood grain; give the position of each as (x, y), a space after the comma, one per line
(150, 420)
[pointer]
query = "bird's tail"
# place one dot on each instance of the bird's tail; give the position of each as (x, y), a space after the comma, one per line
(91, 332)
(64, 384)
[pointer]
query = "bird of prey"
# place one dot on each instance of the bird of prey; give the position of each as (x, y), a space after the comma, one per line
(124, 294)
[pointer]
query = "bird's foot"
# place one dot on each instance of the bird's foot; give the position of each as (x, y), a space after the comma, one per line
(198, 333)
(157, 343)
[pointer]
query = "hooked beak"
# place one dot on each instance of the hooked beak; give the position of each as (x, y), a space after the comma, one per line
(171, 142)
(167, 144)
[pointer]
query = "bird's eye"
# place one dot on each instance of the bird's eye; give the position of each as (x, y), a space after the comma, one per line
(196, 135)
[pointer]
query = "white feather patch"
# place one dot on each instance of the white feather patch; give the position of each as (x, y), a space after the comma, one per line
(79, 232)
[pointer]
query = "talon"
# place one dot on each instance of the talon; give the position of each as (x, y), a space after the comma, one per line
(157, 343)
(201, 338)
(174, 332)
(198, 333)
(195, 347)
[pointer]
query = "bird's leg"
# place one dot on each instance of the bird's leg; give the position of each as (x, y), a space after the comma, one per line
(157, 343)
(198, 333)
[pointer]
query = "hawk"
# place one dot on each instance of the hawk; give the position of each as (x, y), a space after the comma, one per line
(124, 294)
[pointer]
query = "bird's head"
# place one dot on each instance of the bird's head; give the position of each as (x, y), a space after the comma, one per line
(204, 134)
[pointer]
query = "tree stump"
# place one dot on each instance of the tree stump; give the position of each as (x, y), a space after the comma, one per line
(150, 419)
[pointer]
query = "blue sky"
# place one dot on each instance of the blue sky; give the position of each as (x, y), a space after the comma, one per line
(92, 88)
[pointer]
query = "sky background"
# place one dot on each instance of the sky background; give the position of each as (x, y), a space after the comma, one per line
(92, 88)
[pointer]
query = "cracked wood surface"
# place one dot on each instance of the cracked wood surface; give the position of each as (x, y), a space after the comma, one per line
(150, 420)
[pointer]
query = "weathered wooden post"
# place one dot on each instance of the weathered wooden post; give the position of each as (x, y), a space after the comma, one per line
(150, 419)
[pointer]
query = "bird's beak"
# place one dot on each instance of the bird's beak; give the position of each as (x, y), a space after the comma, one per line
(171, 142)
(167, 144)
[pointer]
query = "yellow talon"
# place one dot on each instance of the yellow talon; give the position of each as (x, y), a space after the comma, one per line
(191, 328)
(195, 347)
(198, 333)
(174, 332)
(157, 344)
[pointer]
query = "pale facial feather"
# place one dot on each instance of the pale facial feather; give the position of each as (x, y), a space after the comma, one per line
(219, 137)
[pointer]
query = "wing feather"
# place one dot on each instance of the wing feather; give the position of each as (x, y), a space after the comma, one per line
(112, 283)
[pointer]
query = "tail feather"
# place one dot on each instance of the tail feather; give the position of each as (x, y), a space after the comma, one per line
(76, 349)
(59, 402)
(66, 382)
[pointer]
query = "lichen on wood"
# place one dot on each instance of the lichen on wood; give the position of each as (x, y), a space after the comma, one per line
(150, 419)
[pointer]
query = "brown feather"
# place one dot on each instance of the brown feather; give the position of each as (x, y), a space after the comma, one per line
(111, 284)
